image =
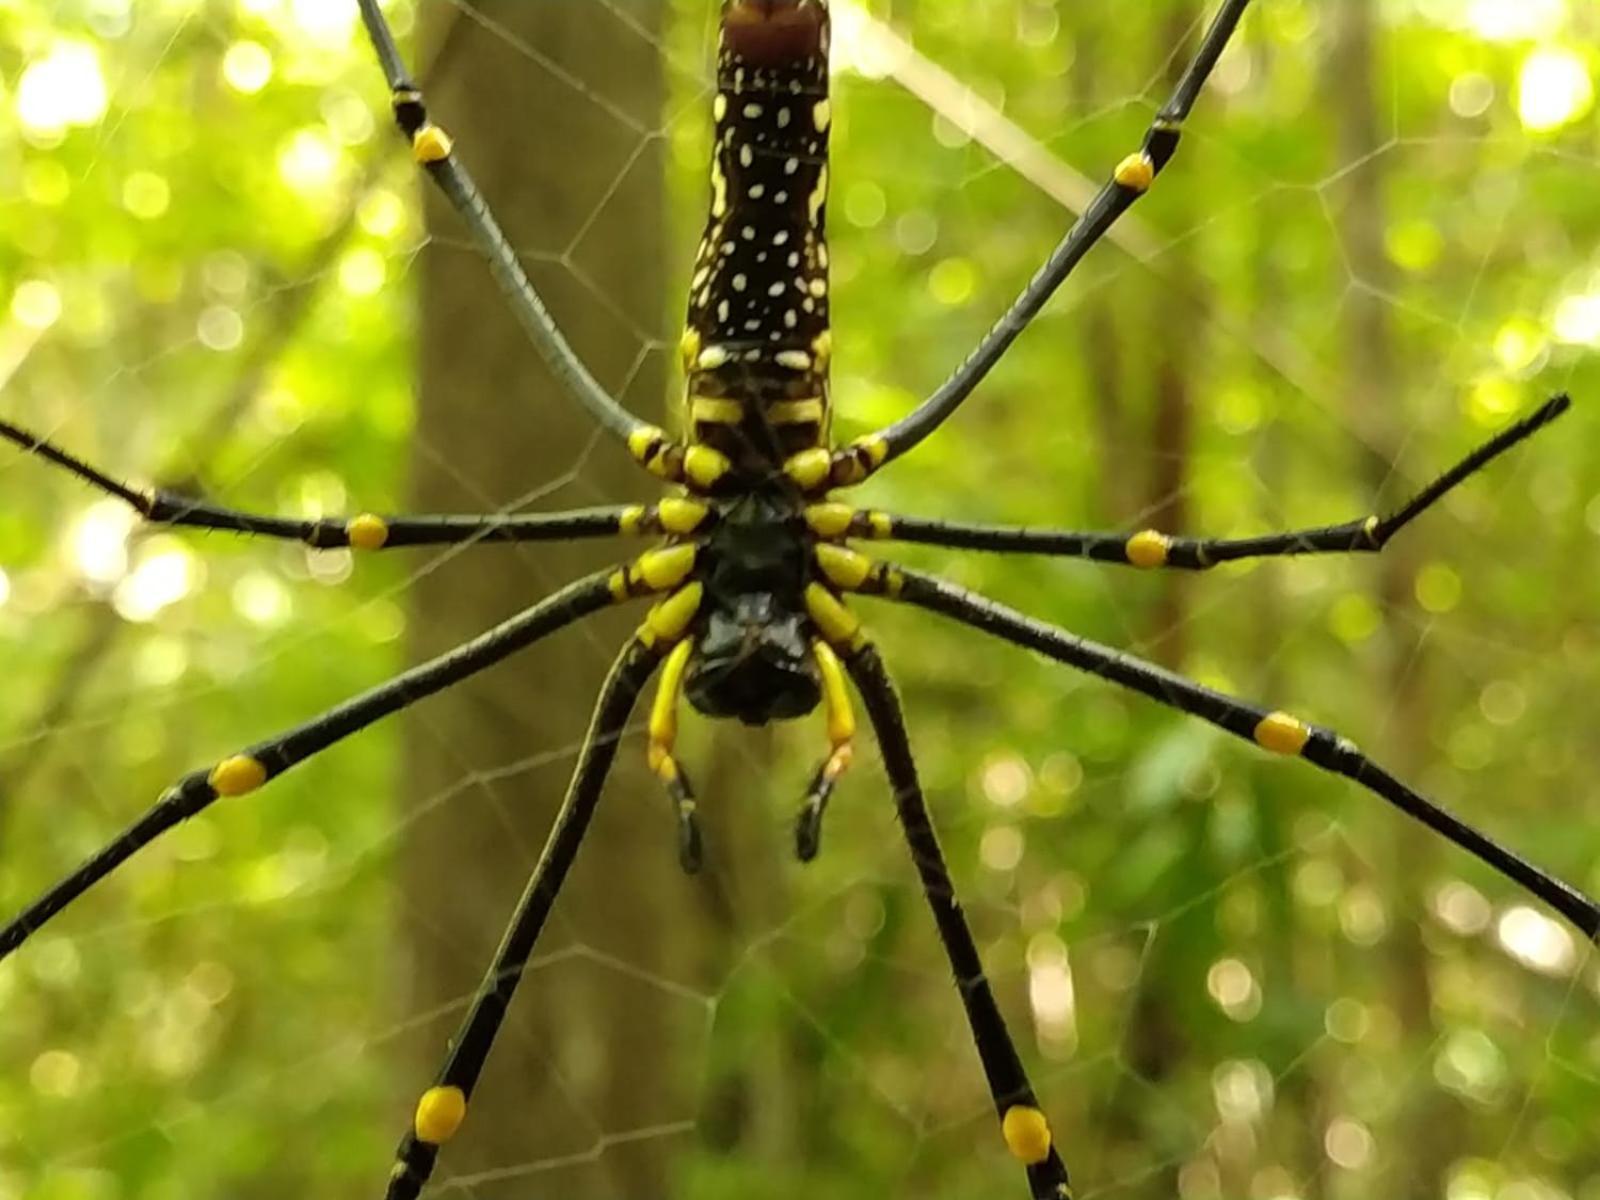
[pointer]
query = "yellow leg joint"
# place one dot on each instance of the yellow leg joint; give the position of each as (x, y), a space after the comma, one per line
(669, 620)
(431, 144)
(663, 570)
(679, 515)
(1027, 1134)
(237, 775)
(830, 520)
(633, 519)
(1147, 548)
(651, 450)
(1282, 733)
(835, 695)
(439, 1114)
(840, 626)
(1136, 172)
(845, 569)
(704, 466)
(367, 532)
(664, 713)
(810, 468)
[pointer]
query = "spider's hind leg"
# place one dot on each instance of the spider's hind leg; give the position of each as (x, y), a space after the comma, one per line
(1022, 1123)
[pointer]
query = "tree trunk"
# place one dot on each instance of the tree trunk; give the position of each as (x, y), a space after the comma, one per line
(552, 106)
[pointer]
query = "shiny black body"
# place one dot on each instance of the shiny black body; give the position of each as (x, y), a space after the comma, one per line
(753, 657)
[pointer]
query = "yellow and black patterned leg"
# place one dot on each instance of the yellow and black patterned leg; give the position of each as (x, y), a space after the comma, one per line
(1129, 180)
(1150, 549)
(433, 150)
(1276, 731)
(841, 719)
(443, 1107)
(244, 772)
(1023, 1126)
(664, 763)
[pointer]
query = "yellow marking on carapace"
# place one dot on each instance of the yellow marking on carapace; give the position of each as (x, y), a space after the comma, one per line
(719, 107)
(632, 519)
(664, 713)
(661, 570)
(704, 466)
(1147, 548)
(1282, 733)
(822, 115)
(439, 1114)
(795, 360)
(846, 569)
(822, 348)
(712, 357)
(796, 412)
(1136, 172)
(430, 144)
(829, 520)
(809, 468)
(835, 695)
(1027, 1134)
(668, 620)
(237, 775)
(715, 410)
(689, 347)
(680, 515)
(837, 623)
(367, 532)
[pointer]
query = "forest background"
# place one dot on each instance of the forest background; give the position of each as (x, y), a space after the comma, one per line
(1230, 976)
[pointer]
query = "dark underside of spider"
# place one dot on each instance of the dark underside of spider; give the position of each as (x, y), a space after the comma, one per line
(756, 349)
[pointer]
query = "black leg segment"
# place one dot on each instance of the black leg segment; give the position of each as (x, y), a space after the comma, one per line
(1026, 1132)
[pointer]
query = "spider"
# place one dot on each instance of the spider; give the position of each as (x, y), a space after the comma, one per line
(756, 562)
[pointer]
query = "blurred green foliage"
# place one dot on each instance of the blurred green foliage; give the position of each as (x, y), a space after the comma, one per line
(1241, 978)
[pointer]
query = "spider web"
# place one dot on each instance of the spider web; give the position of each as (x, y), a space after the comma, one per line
(1228, 976)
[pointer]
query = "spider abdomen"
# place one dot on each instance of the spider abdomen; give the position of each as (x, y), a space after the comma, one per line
(756, 345)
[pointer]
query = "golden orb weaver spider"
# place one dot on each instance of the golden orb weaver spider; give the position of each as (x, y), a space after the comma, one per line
(751, 619)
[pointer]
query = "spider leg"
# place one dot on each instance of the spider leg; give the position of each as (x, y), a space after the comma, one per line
(1130, 180)
(664, 764)
(244, 772)
(432, 149)
(369, 531)
(841, 738)
(1148, 548)
(443, 1106)
(1273, 730)
(1023, 1124)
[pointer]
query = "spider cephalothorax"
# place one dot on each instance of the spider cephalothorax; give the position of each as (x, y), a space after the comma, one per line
(750, 618)
(753, 657)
